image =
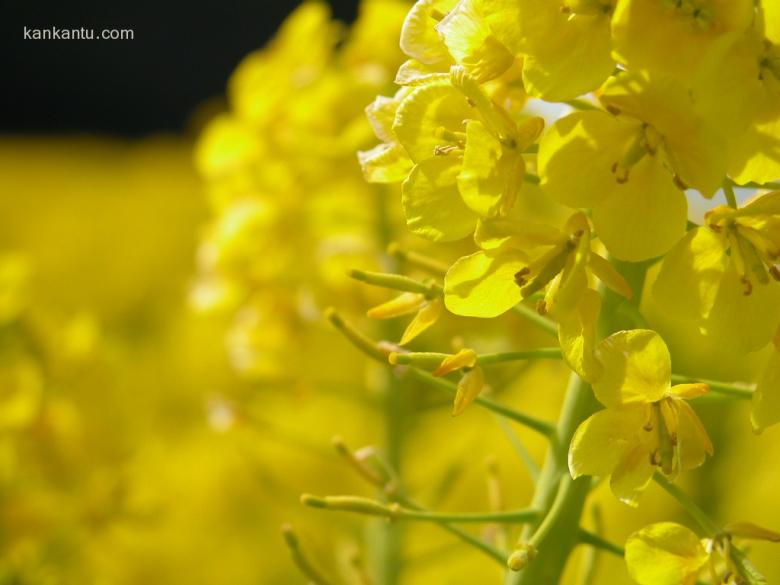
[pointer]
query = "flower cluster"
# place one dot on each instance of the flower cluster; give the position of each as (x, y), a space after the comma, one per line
(658, 104)
(289, 203)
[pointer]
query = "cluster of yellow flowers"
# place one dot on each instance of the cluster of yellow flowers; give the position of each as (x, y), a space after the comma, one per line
(683, 102)
(292, 211)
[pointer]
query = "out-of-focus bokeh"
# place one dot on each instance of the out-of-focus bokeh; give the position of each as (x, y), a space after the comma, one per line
(168, 383)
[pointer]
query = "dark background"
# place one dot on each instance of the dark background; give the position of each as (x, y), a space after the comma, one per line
(182, 54)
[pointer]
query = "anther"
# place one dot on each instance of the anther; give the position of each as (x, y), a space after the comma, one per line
(748, 286)
(541, 307)
(680, 183)
(520, 275)
(775, 272)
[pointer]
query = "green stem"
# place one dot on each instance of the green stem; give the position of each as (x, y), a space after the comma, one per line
(417, 260)
(560, 536)
(389, 559)
(435, 358)
(581, 105)
(728, 191)
(520, 449)
(301, 561)
(540, 426)
(397, 282)
(699, 516)
(371, 507)
(596, 541)
(463, 535)
(539, 320)
(733, 390)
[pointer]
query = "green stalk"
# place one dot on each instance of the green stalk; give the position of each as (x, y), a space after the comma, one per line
(395, 407)
(559, 530)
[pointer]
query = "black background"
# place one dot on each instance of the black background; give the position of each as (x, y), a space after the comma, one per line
(181, 55)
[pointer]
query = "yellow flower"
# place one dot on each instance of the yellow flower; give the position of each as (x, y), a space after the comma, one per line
(667, 553)
(466, 31)
(721, 274)
(766, 398)
(427, 312)
(566, 46)
(677, 37)
(646, 426)
(464, 151)
(632, 167)
(471, 383)
(509, 268)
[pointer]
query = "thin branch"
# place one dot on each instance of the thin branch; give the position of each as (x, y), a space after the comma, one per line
(520, 449)
(734, 390)
(541, 426)
(539, 320)
(435, 358)
(371, 507)
(702, 519)
(301, 561)
(596, 541)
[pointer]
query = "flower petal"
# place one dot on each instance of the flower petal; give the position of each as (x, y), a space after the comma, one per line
(601, 441)
(643, 217)
(423, 320)
(632, 475)
(765, 411)
(637, 368)
(432, 203)
(665, 554)
(469, 387)
(691, 273)
(483, 284)
(590, 142)
(693, 442)
(577, 336)
(491, 173)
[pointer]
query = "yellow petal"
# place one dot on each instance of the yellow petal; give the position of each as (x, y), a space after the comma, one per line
(385, 163)
(414, 73)
(465, 358)
(689, 391)
(637, 368)
(424, 319)
(608, 274)
(424, 113)
(693, 442)
(680, 42)
(381, 115)
(643, 217)
(469, 387)
(632, 475)
(742, 323)
(694, 146)
(471, 42)
(590, 142)
(577, 337)
(514, 233)
(751, 531)
(418, 34)
(403, 304)
(575, 60)
(483, 284)
(690, 275)
(665, 554)
(432, 203)
(491, 173)
(601, 441)
(765, 411)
